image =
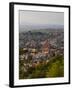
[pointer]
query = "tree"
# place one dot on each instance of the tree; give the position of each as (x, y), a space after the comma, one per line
(56, 69)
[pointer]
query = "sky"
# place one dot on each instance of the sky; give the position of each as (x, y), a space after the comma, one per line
(30, 18)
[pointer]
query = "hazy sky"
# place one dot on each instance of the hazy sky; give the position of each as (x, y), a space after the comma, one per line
(41, 17)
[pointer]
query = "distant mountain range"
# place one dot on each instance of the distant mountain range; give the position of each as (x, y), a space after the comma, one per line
(40, 27)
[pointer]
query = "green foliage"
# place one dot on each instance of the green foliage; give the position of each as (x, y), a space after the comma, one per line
(54, 68)
(38, 72)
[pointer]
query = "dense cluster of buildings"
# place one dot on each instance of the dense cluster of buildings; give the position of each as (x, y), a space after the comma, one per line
(39, 47)
(44, 53)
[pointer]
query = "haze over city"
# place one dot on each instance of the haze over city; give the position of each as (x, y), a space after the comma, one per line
(41, 44)
(31, 20)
